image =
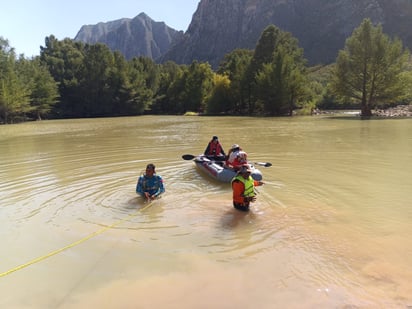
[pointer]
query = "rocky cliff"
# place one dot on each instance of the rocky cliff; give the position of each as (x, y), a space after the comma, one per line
(220, 26)
(321, 26)
(140, 36)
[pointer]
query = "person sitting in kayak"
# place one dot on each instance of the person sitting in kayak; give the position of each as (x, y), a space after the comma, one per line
(150, 185)
(214, 150)
(236, 158)
(243, 186)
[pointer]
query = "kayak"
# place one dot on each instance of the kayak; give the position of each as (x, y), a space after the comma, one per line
(219, 171)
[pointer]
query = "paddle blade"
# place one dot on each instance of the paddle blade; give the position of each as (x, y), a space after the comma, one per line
(265, 164)
(188, 157)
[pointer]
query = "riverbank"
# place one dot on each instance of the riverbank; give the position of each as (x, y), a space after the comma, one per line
(400, 111)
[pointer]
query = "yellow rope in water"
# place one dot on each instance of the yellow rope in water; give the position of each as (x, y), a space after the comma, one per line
(41, 258)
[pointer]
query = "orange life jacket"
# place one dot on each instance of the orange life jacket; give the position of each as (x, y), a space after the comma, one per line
(243, 188)
(215, 149)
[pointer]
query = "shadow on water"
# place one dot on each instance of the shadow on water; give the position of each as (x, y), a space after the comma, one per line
(234, 218)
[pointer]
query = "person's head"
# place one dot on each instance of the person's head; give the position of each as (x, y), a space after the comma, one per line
(242, 156)
(215, 139)
(235, 147)
(245, 171)
(150, 169)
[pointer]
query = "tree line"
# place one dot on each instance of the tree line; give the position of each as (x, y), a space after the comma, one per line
(71, 79)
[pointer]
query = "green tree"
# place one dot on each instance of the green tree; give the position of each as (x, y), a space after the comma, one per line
(94, 80)
(192, 88)
(65, 60)
(234, 65)
(264, 53)
(282, 82)
(44, 94)
(276, 76)
(118, 79)
(169, 73)
(43, 89)
(176, 92)
(219, 101)
(150, 71)
(143, 83)
(198, 86)
(370, 69)
(14, 93)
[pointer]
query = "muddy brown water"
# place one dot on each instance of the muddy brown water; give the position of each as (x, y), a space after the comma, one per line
(331, 227)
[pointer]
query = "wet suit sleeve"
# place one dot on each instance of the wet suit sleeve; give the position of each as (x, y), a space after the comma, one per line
(139, 186)
(161, 187)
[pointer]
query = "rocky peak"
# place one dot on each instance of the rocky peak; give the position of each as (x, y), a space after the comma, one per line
(219, 26)
(140, 36)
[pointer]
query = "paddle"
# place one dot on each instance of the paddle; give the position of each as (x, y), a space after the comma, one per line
(265, 164)
(188, 157)
(191, 157)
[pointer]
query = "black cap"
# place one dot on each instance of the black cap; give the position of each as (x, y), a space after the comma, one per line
(215, 137)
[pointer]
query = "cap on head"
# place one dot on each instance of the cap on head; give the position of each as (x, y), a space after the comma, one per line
(235, 146)
(215, 138)
(150, 167)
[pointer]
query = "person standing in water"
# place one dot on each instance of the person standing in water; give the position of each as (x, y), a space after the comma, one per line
(150, 185)
(243, 186)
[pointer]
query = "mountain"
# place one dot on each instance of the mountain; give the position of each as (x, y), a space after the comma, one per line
(140, 36)
(220, 26)
(321, 26)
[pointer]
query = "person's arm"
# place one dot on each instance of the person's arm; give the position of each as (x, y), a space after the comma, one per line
(139, 186)
(257, 183)
(206, 152)
(161, 188)
(232, 157)
(222, 151)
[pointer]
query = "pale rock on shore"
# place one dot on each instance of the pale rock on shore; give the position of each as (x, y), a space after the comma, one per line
(400, 111)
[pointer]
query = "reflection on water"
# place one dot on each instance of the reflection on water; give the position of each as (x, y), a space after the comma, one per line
(331, 227)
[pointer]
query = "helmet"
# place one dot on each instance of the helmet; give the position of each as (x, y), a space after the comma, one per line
(242, 156)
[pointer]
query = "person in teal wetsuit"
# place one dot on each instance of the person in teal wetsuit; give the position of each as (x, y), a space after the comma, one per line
(150, 185)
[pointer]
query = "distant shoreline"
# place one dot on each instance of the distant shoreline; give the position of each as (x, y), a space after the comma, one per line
(400, 111)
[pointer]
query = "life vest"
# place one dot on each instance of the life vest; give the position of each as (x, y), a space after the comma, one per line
(237, 159)
(249, 191)
(215, 149)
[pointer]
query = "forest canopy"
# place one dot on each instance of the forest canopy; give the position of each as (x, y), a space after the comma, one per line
(70, 79)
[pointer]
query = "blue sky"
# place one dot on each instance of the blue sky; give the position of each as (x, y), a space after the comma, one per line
(27, 22)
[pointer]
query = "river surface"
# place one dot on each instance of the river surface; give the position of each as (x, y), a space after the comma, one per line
(331, 228)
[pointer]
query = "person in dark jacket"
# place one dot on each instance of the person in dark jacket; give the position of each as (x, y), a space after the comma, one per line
(214, 150)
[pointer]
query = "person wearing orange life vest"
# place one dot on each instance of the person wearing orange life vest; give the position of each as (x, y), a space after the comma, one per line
(214, 150)
(243, 186)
